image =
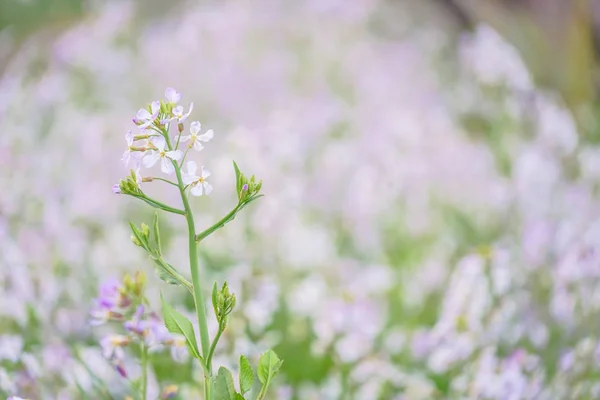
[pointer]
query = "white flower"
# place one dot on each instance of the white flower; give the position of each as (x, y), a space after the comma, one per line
(161, 154)
(112, 347)
(194, 138)
(199, 184)
(172, 95)
(179, 115)
(144, 119)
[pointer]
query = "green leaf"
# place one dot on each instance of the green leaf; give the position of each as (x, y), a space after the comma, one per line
(246, 376)
(157, 234)
(239, 397)
(177, 323)
(215, 292)
(224, 389)
(268, 366)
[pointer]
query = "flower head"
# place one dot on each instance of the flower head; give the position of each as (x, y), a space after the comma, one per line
(132, 152)
(194, 138)
(145, 118)
(112, 347)
(199, 184)
(172, 95)
(160, 153)
(137, 324)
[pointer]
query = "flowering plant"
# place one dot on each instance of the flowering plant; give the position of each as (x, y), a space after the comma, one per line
(154, 143)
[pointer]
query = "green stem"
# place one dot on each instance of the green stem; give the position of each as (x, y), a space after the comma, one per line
(213, 346)
(144, 361)
(198, 298)
(164, 180)
(227, 218)
(158, 204)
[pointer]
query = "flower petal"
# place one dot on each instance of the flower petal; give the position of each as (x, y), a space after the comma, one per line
(197, 190)
(129, 138)
(192, 167)
(166, 166)
(159, 142)
(188, 179)
(195, 127)
(172, 95)
(155, 106)
(198, 146)
(174, 155)
(207, 188)
(205, 173)
(151, 159)
(185, 138)
(205, 137)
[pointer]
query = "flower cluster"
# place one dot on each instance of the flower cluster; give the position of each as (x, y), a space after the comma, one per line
(152, 144)
(124, 302)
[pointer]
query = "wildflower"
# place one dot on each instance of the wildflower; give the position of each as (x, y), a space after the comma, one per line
(199, 184)
(172, 95)
(144, 118)
(112, 347)
(195, 139)
(137, 324)
(110, 301)
(161, 154)
(157, 335)
(116, 188)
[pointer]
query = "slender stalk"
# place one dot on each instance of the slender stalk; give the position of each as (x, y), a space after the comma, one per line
(164, 180)
(144, 360)
(227, 218)
(158, 204)
(198, 297)
(213, 346)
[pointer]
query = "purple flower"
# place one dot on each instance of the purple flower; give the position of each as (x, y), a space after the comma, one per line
(172, 95)
(137, 324)
(116, 188)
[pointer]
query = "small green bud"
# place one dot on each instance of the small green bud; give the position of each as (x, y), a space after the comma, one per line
(252, 178)
(145, 230)
(128, 283)
(136, 241)
(258, 186)
(180, 127)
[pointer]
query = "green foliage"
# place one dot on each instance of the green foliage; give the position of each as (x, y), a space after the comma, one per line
(268, 367)
(224, 388)
(178, 324)
(246, 376)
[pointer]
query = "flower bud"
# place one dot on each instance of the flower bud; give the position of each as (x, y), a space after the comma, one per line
(145, 230)
(136, 241)
(140, 283)
(128, 283)
(180, 127)
(147, 179)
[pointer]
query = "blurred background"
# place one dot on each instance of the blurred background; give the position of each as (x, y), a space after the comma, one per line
(431, 224)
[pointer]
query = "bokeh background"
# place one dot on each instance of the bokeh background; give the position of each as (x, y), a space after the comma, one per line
(431, 222)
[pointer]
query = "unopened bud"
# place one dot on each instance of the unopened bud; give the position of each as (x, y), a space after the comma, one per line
(258, 186)
(180, 127)
(128, 283)
(140, 283)
(145, 230)
(147, 179)
(136, 241)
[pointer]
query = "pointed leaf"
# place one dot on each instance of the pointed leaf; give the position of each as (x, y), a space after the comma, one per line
(268, 366)
(157, 234)
(238, 186)
(178, 324)
(246, 376)
(224, 388)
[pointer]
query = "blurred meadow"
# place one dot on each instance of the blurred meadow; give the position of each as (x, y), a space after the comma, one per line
(431, 221)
